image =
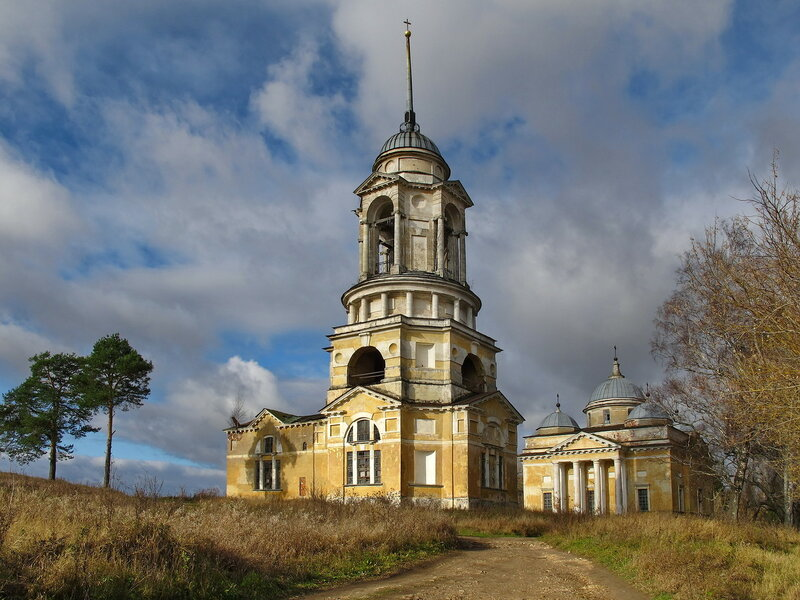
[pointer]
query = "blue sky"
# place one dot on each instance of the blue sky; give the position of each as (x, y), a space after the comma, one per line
(182, 173)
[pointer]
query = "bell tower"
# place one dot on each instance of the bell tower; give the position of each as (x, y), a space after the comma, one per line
(411, 329)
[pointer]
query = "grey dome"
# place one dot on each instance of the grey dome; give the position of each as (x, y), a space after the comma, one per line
(616, 387)
(558, 419)
(409, 139)
(648, 410)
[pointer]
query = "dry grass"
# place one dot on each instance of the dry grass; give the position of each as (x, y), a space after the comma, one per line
(61, 540)
(688, 557)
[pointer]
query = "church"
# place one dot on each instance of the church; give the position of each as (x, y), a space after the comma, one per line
(628, 458)
(413, 412)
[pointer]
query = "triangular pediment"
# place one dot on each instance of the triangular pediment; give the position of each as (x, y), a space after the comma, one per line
(479, 399)
(336, 404)
(456, 189)
(583, 441)
(374, 181)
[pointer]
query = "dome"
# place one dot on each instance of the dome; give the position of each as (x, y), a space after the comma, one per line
(410, 139)
(648, 410)
(616, 387)
(558, 419)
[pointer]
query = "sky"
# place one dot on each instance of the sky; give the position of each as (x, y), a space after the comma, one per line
(182, 173)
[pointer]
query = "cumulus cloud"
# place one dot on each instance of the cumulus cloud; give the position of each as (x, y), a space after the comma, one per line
(188, 422)
(207, 193)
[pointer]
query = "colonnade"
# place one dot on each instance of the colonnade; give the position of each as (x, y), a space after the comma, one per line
(359, 309)
(600, 469)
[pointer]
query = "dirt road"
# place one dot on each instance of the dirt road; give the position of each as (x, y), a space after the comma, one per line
(495, 569)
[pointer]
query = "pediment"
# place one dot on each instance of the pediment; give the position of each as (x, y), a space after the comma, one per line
(513, 413)
(338, 403)
(584, 441)
(457, 189)
(375, 180)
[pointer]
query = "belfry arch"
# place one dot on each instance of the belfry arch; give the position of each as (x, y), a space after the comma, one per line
(453, 230)
(366, 367)
(382, 242)
(472, 374)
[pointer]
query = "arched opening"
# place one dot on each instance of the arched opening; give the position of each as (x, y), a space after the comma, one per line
(452, 228)
(365, 367)
(382, 240)
(472, 376)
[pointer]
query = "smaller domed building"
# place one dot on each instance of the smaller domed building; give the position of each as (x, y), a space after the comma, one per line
(629, 457)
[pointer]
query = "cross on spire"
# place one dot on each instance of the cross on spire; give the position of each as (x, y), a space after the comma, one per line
(408, 24)
(410, 123)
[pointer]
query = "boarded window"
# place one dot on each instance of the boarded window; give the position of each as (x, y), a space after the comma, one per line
(349, 460)
(425, 357)
(391, 424)
(424, 426)
(547, 501)
(335, 430)
(376, 465)
(425, 467)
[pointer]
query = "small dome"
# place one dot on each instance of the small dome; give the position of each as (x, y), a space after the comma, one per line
(648, 410)
(616, 387)
(410, 139)
(558, 419)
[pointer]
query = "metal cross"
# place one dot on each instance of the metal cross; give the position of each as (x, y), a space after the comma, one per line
(408, 24)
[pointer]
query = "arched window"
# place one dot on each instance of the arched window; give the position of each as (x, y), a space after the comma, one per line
(366, 367)
(472, 376)
(363, 459)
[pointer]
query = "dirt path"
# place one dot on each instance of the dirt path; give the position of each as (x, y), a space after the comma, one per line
(495, 569)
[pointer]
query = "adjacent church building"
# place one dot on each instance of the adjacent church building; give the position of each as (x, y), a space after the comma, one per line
(629, 457)
(413, 411)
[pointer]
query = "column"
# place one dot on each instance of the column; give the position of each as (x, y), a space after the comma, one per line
(364, 249)
(351, 313)
(624, 478)
(398, 241)
(462, 257)
(440, 246)
(434, 305)
(410, 304)
(364, 310)
(468, 319)
(556, 487)
(384, 304)
(618, 490)
(576, 486)
(563, 485)
(598, 487)
(457, 309)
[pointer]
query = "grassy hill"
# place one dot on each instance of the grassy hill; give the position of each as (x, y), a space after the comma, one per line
(61, 540)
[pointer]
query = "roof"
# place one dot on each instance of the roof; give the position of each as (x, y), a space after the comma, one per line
(616, 387)
(558, 419)
(409, 139)
(648, 410)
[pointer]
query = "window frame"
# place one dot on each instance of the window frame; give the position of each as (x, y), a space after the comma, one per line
(646, 497)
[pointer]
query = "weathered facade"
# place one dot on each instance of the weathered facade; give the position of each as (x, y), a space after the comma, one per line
(412, 411)
(628, 458)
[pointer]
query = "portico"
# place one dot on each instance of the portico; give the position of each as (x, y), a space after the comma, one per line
(582, 485)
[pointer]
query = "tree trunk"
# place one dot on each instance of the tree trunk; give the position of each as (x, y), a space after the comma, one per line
(788, 500)
(107, 471)
(53, 450)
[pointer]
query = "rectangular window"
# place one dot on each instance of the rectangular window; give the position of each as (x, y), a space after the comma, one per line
(425, 467)
(547, 501)
(266, 467)
(492, 470)
(681, 499)
(484, 459)
(362, 467)
(643, 499)
(376, 465)
(590, 500)
(277, 481)
(500, 472)
(257, 476)
(606, 416)
(699, 502)
(362, 433)
(267, 445)
(349, 461)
